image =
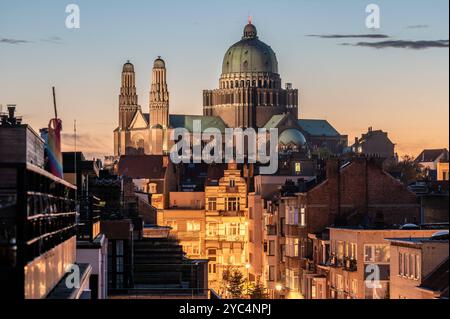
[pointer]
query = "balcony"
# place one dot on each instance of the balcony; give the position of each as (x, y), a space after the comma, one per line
(231, 213)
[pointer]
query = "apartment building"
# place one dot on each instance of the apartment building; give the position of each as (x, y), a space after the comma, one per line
(359, 265)
(419, 267)
(226, 225)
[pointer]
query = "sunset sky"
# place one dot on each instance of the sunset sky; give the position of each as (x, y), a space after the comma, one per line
(398, 83)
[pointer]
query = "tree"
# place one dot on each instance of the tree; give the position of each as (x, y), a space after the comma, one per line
(407, 170)
(258, 291)
(234, 282)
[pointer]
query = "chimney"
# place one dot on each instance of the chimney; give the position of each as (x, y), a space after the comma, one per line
(370, 129)
(332, 168)
(11, 111)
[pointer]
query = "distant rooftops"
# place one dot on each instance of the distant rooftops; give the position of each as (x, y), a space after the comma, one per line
(143, 166)
(432, 155)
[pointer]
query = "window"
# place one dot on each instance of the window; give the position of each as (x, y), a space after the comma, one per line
(417, 268)
(193, 226)
(400, 264)
(152, 188)
(354, 288)
(212, 268)
(291, 279)
(292, 247)
(212, 203)
(291, 216)
(271, 273)
(211, 229)
(119, 247)
(352, 251)
(271, 248)
(232, 183)
(339, 282)
(340, 250)
(119, 264)
(376, 253)
(377, 293)
(232, 204)
(212, 252)
(303, 216)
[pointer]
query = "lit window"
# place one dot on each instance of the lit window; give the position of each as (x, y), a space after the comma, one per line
(193, 226)
(376, 253)
(212, 203)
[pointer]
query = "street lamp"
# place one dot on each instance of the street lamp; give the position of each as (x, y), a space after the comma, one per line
(279, 287)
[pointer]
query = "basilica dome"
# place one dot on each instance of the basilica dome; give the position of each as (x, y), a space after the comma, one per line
(250, 55)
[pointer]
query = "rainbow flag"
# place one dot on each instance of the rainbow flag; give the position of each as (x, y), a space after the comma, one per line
(53, 147)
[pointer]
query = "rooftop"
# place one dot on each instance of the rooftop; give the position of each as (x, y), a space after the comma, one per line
(318, 127)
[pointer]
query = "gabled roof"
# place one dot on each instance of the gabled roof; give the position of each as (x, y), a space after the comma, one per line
(431, 155)
(187, 122)
(318, 127)
(142, 166)
(138, 121)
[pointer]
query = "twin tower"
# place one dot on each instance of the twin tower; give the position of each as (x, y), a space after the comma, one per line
(142, 133)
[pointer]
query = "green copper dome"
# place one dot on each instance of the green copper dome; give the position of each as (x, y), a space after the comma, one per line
(250, 55)
(292, 136)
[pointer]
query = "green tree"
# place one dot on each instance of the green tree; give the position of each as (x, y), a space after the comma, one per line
(258, 291)
(234, 281)
(408, 170)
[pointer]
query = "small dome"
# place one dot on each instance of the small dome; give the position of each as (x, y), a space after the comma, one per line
(250, 55)
(292, 137)
(159, 63)
(250, 32)
(128, 67)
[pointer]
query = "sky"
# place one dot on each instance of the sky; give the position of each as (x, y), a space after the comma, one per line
(344, 71)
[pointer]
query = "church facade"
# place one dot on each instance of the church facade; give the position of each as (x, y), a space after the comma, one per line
(250, 95)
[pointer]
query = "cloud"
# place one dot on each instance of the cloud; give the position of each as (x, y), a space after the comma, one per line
(403, 44)
(418, 26)
(13, 41)
(348, 36)
(53, 39)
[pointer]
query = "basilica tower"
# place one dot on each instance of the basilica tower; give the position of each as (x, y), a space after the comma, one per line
(128, 99)
(159, 96)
